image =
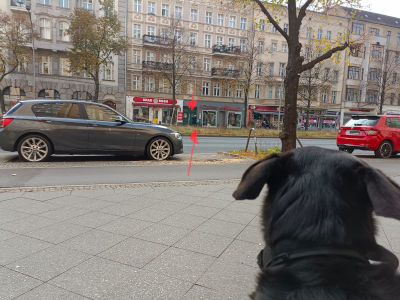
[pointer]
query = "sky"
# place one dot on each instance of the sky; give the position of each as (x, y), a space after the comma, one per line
(385, 7)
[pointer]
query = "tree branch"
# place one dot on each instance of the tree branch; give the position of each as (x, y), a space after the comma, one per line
(303, 10)
(326, 55)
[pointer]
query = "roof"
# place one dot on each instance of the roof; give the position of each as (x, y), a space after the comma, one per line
(371, 17)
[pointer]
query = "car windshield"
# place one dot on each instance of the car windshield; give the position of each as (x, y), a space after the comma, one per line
(366, 121)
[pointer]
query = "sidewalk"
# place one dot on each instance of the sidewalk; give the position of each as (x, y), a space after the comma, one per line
(180, 241)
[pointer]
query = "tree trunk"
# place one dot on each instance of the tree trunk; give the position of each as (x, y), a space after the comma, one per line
(382, 100)
(2, 104)
(246, 100)
(307, 120)
(96, 87)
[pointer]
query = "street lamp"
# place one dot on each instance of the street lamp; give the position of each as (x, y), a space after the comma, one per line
(28, 8)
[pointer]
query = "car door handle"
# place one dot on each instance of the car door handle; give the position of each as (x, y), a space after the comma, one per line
(48, 120)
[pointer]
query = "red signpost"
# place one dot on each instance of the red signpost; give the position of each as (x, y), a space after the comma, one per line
(193, 137)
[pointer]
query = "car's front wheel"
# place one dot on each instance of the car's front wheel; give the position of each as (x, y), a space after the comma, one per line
(384, 150)
(159, 149)
(34, 148)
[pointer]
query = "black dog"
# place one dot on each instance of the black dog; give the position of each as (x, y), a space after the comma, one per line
(318, 224)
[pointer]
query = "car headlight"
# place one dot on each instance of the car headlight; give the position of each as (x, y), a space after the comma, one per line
(176, 135)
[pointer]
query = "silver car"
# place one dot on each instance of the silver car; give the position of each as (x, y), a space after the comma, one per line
(39, 128)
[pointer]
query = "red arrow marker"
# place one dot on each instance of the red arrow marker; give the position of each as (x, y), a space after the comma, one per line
(192, 104)
(194, 139)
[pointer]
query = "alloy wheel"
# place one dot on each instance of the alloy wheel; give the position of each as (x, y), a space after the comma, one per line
(160, 149)
(386, 150)
(34, 149)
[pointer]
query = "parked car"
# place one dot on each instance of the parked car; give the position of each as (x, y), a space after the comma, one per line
(39, 128)
(380, 134)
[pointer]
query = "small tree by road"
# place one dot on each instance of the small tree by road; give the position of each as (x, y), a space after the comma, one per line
(95, 40)
(15, 34)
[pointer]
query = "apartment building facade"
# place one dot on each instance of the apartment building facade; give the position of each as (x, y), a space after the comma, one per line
(53, 78)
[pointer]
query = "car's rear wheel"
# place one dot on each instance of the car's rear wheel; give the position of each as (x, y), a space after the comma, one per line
(346, 150)
(384, 150)
(159, 149)
(34, 148)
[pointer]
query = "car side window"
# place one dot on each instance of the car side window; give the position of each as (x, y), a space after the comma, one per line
(42, 110)
(393, 122)
(66, 110)
(100, 113)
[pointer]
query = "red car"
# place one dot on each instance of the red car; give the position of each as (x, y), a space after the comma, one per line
(380, 134)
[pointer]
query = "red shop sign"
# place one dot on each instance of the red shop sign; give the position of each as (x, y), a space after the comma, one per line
(227, 107)
(265, 108)
(180, 116)
(363, 110)
(153, 100)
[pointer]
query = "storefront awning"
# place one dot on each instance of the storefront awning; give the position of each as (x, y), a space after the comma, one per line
(153, 104)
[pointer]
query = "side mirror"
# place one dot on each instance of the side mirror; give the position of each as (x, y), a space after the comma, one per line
(120, 120)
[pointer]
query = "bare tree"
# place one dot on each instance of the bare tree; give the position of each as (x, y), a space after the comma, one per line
(15, 34)
(173, 60)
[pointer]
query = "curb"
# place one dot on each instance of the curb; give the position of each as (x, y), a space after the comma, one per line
(236, 155)
(260, 136)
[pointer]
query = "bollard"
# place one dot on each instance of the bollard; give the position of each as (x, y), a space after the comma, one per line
(248, 139)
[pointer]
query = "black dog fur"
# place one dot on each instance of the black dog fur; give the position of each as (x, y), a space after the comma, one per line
(324, 198)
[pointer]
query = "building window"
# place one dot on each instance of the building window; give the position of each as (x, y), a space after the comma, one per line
(218, 63)
(398, 39)
(273, 47)
(219, 40)
(178, 12)
(376, 52)
(260, 47)
(274, 29)
(44, 2)
(396, 58)
(49, 94)
(63, 3)
(193, 38)
(208, 18)
(257, 92)
(372, 96)
(243, 23)
(280, 95)
(281, 70)
(151, 8)
(45, 65)
(193, 15)
(262, 25)
(150, 84)
(373, 74)
(207, 64)
(271, 69)
(206, 88)
(354, 73)
(351, 95)
(230, 65)
(82, 96)
(44, 26)
(398, 100)
(150, 56)
(358, 28)
(232, 22)
(392, 99)
(324, 96)
(309, 31)
(109, 71)
(231, 42)
(88, 5)
(137, 6)
(389, 33)
(135, 83)
(286, 28)
(164, 86)
(165, 10)
(335, 76)
(374, 31)
(178, 36)
(217, 90)
(326, 74)
(238, 93)
(221, 20)
(65, 67)
(259, 69)
(207, 41)
(137, 31)
(328, 35)
(62, 28)
(151, 30)
(229, 93)
(333, 99)
(270, 91)
(243, 45)
(319, 36)
(136, 56)
(284, 48)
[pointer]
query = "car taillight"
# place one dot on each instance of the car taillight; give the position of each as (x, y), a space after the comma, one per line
(5, 121)
(373, 132)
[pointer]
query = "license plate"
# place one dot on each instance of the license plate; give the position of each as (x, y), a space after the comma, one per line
(353, 132)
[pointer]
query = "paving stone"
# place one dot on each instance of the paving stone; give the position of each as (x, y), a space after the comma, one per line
(93, 219)
(395, 244)
(230, 278)
(116, 197)
(185, 199)
(92, 193)
(27, 224)
(198, 292)
(43, 196)
(37, 208)
(184, 221)
(251, 234)
(234, 216)
(214, 203)
(125, 226)
(135, 191)
(242, 253)
(49, 292)
(222, 228)
(222, 196)
(134, 252)
(181, 264)
(256, 221)
(244, 207)
(94, 241)
(201, 211)
(170, 206)
(162, 234)
(121, 209)
(7, 196)
(64, 213)
(5, 235)
(66, 200)
(145, 285)
(49, 263)
(92, 204)
(94, 277)
(192, 192)
(150, 214)
(161, 195)
(142, 201)
(17, 202)
(58, 232)
(204, 243)
(14, 284)
(19, 247)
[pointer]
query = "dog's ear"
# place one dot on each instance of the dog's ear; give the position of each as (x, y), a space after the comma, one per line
(383, 193)
(257, 175)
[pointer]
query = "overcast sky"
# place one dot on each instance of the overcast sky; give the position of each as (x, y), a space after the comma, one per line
(385, 7)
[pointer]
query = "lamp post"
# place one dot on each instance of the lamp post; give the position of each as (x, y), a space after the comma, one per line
(28, 8)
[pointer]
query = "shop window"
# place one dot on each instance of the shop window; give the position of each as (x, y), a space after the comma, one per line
(141, 114)
(234, 119)
(166, 115)
(82, 96)
(209, 118)
(49, 94)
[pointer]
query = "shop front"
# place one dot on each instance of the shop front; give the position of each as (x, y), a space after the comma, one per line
(320, 119)
(257, 113)
(155, 110)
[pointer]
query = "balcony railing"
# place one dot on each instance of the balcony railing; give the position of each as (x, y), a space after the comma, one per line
(18, 4)
(225, 72)
(153, 39)
(226, 49)
(156, 65)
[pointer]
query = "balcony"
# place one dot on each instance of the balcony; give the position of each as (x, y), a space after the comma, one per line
(18, 4)
(155, 65)
(223, 49)
(155, 40)
(225, 72)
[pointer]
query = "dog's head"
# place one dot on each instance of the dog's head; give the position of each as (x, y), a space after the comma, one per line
(319, 193)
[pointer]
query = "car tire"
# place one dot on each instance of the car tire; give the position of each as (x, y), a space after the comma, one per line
(34, 148)
(159, 149)
(384, 150)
